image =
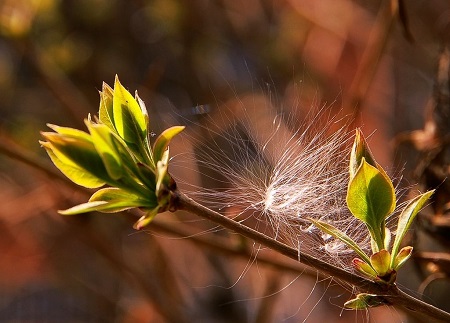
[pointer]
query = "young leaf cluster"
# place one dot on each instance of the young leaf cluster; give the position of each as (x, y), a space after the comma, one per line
(116, 151)
(371, 199)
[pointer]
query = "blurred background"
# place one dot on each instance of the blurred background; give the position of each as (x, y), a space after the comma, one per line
(375, 63)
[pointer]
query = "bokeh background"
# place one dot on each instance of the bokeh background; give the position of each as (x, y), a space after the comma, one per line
(372, 62)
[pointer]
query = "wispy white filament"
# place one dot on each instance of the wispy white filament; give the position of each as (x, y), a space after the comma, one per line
(270, 170)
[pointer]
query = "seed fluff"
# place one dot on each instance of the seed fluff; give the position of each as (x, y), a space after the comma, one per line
(276, 173)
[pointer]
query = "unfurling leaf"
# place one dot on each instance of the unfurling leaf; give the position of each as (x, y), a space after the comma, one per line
(143, 108)
(401, 257)
(381, 262)
(161, 171)
(109, 200)
(359, 151)
(146, 219)
(406, 218)
(76, 150)
(364, 300)
(129, 121)
(106, 145)
(116, 152)
(364, 267)
(73, 172)
(387, 238)
(163, 141)
(328, 228)
(371, 198)
(105, 111)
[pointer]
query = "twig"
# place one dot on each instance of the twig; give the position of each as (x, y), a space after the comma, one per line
(390, 293)
(128, 272)
(9, 148)
(14, 151)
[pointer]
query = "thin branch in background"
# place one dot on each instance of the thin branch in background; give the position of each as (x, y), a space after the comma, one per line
(69, 94)
(9, 148)
(75, 231)
(392, 295)
(404, 19)
(367, 67)
(64, 90)
(440, 259)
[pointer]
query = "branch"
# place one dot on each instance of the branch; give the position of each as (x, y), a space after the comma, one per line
(14, 151)
(391, 294)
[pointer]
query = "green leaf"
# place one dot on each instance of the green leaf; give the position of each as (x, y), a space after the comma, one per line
(105, 111)
(387, 238)
(371, 198)
(402, 256)
(328, 228)
(109, 200)
(104, 142)
(110, 194)
(381, 262)
(146, 219)
(163, 140)
(161, 170)
(76, 174)
(407, 217)
(77, 152)
(359, 151)
(364, 268)
(67, 132)
(129, 120)
(143, 108)
(147, 175)
(364, 300)
(84, 208)
(134, 193)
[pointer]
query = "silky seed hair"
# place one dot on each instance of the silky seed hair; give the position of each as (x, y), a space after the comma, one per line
(276, 173)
